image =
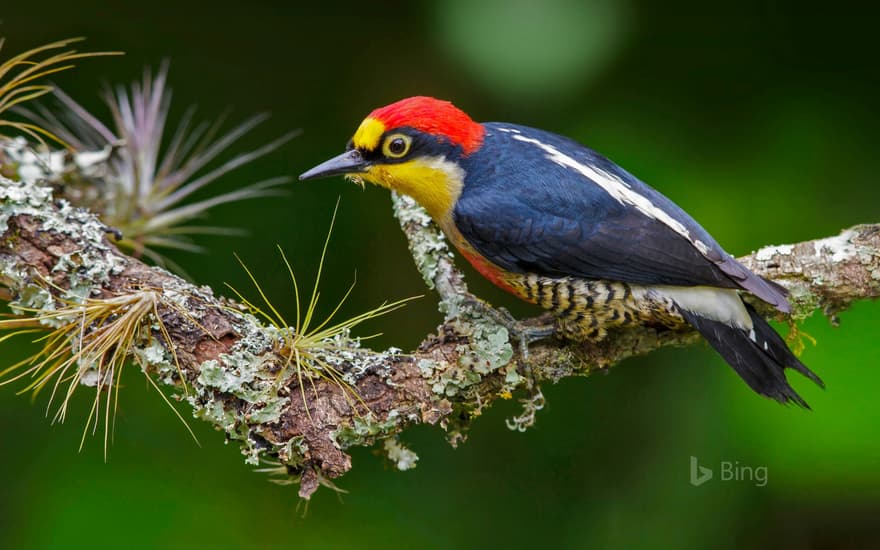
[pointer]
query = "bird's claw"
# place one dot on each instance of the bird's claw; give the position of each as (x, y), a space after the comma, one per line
(117, 234)
(523, 333)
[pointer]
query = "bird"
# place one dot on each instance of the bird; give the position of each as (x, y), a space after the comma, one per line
(563, 227)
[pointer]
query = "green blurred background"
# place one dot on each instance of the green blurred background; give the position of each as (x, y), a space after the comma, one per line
(759, 120)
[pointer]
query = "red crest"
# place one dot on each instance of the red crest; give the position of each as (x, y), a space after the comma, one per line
(433, 116)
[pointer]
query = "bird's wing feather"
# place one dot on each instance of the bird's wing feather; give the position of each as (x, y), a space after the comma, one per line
(610, 244)
(553, 207)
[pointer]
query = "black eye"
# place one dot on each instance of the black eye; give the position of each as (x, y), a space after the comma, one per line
(396, 145)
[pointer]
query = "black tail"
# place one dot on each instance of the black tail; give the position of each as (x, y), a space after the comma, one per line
(759, 357)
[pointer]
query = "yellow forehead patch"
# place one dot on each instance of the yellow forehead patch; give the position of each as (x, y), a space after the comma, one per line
(368, 134)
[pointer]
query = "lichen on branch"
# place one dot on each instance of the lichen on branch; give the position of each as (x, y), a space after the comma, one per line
(227, 365)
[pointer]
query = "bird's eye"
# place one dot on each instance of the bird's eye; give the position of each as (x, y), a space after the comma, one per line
(396, 145)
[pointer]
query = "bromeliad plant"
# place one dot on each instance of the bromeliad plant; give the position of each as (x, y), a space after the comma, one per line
(139, 183)
(88, 343)
(305, 344)
(144, 196)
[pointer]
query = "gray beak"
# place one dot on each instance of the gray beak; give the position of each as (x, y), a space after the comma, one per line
(349, 162)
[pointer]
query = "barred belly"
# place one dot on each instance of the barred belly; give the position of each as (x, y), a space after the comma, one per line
(586, 308)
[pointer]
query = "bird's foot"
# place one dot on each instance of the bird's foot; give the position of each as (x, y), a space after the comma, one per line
(117, 234)
(523, 332)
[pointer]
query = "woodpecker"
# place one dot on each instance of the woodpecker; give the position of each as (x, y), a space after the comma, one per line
(560, 226)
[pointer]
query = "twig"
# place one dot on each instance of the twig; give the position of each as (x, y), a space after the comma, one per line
(50, 251)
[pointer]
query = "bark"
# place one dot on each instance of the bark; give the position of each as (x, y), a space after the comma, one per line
(237, 378)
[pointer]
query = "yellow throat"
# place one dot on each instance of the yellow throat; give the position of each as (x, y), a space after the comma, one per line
(433, 182)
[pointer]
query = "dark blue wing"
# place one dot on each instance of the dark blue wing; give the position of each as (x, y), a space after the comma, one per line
(529, 212)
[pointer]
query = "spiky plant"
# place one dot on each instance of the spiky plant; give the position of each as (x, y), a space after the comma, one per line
(305, 343)
(87, 343)
(152, 176)
(20, 78)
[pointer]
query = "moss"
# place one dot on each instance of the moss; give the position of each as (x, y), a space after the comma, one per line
(803, 302)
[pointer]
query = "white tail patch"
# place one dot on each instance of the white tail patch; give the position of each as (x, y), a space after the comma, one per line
(718, 304)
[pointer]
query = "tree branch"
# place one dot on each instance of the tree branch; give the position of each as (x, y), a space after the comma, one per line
(230, 368)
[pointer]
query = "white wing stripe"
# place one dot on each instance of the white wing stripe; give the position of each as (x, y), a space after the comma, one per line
(615, 187)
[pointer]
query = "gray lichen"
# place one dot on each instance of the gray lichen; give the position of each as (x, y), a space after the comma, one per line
(365, 429)
(487, 348)
(88, 267)
(399, 455)
(225, 362)
(430, 247)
